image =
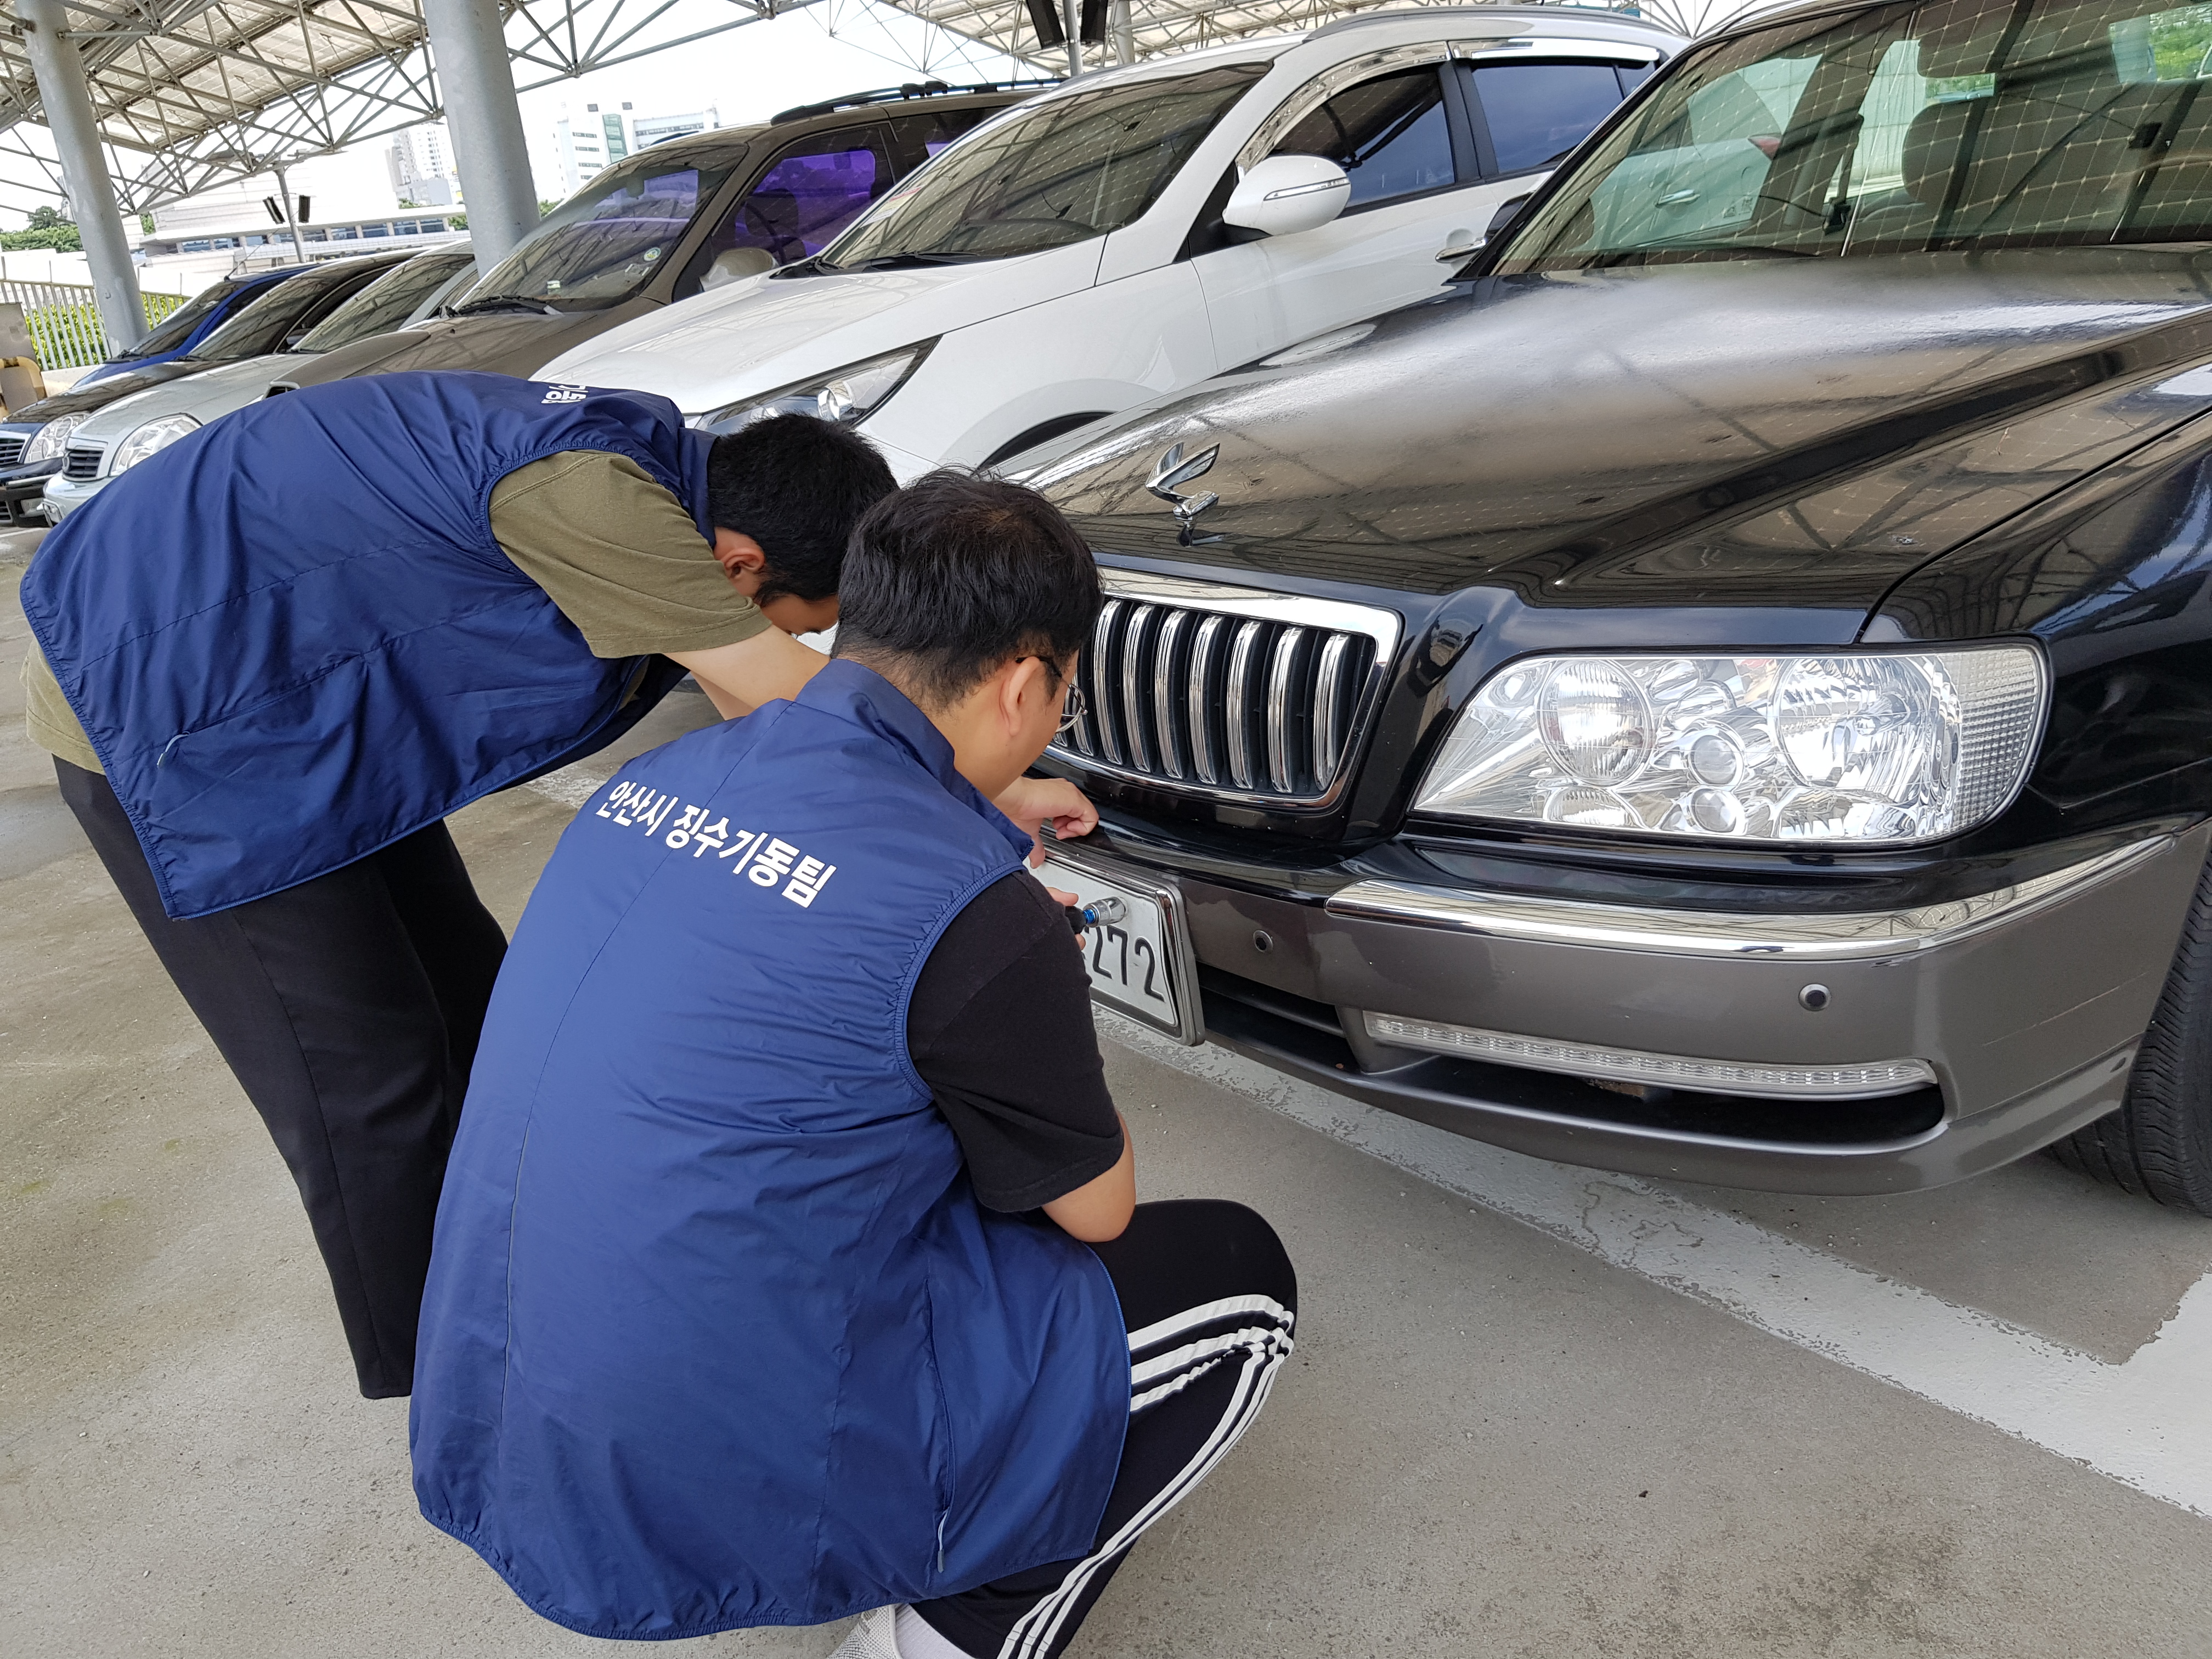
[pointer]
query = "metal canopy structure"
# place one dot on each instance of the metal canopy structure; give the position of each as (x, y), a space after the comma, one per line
(191, 94)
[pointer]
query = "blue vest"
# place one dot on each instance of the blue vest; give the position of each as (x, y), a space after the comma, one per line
(716, 1333)
(291, 640)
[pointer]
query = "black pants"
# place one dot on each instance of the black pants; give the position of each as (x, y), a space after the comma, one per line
(348, 1009)
(1210, 1298)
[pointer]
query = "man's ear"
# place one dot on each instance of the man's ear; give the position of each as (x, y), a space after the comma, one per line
(742, 559)
(1019, 680)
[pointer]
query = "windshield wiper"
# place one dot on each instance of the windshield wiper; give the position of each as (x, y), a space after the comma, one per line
(905, 262)
(502, 302)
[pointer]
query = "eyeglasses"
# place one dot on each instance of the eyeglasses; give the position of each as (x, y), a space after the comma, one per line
(1073, 707)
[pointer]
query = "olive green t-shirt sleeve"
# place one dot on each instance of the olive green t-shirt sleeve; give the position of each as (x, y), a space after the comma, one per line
(619, 556)
(47, 718)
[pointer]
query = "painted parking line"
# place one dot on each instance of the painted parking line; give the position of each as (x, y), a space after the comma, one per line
(2147, 1422)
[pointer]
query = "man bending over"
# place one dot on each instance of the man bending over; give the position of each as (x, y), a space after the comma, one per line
(789, 1265)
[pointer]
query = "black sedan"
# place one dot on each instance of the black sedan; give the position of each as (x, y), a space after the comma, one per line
(1724, 690)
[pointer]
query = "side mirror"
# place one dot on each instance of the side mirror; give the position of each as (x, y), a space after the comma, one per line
(1502, 220)
(734, 265)
(1286, 194)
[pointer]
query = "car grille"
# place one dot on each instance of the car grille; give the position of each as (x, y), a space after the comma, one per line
(11, 448)
(1227, 690)
(83, 463)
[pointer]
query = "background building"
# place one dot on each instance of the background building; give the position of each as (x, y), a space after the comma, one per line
(420, 160)
(599, 135)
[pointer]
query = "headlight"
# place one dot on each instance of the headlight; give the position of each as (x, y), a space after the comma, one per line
(847, 397)
(1845, 747)
(154, 434)
(49, 440)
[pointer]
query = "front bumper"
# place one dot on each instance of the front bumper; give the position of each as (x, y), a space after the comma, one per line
(2025, 1004)
(65, 495)
(21, 489)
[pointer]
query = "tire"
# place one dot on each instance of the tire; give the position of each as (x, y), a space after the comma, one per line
(2159, 1144)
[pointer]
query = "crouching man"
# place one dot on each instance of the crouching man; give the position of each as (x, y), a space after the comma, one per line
(789, 1265)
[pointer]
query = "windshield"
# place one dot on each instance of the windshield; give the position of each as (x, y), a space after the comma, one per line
(1063, 170)
(386, 302)
(176, 327)
(260, 327)
(1966, 124)
(605, 242)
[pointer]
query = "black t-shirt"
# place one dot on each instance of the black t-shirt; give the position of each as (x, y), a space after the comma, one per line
(999, 1028)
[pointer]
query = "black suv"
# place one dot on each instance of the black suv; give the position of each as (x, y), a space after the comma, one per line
(1725, 691)
(686, 214)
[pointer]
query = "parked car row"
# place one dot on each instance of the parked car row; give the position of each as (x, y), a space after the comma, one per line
(1697, 661)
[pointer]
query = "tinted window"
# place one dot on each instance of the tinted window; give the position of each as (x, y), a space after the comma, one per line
(1539, 111)
(1062, 170)
(385, 303)
(176, 327)
(1391, 135)
(920, 136)
(605, 242)
(1978, 124)
(260, 328)
(813, 191)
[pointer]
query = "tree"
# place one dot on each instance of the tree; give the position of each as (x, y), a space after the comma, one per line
(47, 218)
(58, 238)
(457, 222)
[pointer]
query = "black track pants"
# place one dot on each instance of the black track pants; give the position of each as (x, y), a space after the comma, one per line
(1210, 1298)
(348, 1009)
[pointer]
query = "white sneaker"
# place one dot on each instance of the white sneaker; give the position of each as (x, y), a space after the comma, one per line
(872, 1636)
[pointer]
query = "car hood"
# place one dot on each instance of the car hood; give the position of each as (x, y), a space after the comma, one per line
(518, 343)
(203, 397)
(766, 331)
(79, 399)
(1787, 433)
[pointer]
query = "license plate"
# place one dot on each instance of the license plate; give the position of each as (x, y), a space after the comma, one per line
(1140, 963)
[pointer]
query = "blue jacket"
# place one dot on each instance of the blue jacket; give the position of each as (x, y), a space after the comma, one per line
(716, 1333)
(292, 639)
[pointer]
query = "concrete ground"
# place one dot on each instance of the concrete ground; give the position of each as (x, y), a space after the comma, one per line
(1499, 1436)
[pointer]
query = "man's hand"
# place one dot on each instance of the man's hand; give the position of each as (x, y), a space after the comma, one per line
(1034, 802)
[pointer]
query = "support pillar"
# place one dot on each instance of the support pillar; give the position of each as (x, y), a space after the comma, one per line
(476, 83)
(1121, 32)
(67, 98)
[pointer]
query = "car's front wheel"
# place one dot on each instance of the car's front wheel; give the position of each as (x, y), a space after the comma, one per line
(2160, 1144)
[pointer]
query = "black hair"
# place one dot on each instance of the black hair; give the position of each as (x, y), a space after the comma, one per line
(798, 486)
(954, 574)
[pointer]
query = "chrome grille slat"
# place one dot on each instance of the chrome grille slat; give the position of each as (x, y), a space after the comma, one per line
(1205, 647)
(1170, 751)
(1206, 687)
(1101, 676)
(1279, 759)
(1240, 697)
(1329, 692)
(11, 450)
(1132, 677)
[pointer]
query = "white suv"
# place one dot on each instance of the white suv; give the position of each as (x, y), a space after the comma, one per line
(1143, 228)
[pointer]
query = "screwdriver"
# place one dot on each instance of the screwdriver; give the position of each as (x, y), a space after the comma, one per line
(1109, 909)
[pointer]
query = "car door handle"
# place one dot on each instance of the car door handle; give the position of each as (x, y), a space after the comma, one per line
(1458, 245)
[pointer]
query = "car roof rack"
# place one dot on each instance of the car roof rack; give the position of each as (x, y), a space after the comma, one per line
(912, 89)
(1468, 13)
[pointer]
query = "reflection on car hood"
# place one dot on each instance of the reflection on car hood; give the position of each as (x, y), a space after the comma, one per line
(203, 397)
(765, 332)
(518, 343)
(1787, 432)
(101, 393)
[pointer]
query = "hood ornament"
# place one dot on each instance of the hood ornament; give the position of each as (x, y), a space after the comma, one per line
(1172, 471)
